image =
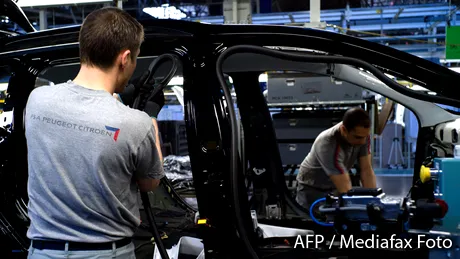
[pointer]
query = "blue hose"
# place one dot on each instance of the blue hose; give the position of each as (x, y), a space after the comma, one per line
(313, 217)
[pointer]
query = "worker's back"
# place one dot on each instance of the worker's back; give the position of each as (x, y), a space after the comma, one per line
(83, 149)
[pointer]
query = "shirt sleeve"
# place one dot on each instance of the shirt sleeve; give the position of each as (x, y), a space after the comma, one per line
(365, 149)
(331, 157)
(148, 164)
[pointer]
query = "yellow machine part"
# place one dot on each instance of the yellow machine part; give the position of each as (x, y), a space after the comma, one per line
(425, 174)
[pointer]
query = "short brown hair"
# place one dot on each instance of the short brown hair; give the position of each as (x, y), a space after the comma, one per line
(105, 33)
(356, 117)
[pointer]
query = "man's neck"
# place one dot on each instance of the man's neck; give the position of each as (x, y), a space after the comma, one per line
(96, 79)
(341, 136)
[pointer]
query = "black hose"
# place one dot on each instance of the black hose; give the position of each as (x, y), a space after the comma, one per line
(158, 86)
(234, 157)
(137, 105)
(153, 226)
(175, 195)
(340, 60)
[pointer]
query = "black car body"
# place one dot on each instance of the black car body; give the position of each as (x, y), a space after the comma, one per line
(229, 232)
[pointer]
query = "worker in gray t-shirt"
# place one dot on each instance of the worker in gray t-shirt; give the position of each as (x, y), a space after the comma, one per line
(333, 154)
(89, 154)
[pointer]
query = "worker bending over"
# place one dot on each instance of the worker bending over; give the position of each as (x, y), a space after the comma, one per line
(333, 154)
(87, 152)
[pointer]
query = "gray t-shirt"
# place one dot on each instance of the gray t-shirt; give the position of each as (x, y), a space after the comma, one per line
(329, 155)
(85, 152)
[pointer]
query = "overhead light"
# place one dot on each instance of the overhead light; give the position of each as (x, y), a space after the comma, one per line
(165, 12)
(46, 3)
(444, 61)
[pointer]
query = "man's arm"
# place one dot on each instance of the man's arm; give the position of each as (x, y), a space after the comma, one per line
(150, 184)
(365, 164)
(157, 138)
(332, 163)
(155, 125)
(148, 179)
(149, 164)
(342, 182)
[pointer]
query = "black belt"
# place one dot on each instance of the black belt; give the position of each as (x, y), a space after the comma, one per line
(77, 246)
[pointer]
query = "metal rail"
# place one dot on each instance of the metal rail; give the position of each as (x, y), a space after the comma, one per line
(431, 19)
(354, 14)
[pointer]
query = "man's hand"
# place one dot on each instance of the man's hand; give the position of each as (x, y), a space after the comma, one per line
(342, 182)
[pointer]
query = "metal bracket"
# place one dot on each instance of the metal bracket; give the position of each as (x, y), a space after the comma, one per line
(315, 25)
(259, 171)
(330, 71)
(273, 211)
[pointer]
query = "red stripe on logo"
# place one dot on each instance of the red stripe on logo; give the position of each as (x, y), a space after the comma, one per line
(115, 137)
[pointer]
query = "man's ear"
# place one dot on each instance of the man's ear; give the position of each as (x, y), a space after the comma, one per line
(343, 129)
(125, 57)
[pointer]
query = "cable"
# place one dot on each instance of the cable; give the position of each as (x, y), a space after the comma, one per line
(150, 242)
(137, 105)
(158, 86)
(412, 187)
(172, 191)
(339, 60)
(434, 145)
(355, 208)
(313, 216)
(234, 170)
(153, 226)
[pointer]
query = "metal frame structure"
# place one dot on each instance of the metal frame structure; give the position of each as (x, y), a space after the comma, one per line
(416, 29)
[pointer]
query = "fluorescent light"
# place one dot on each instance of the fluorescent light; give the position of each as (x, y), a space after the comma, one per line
(443, 61)
(165, 12)
(37, 3)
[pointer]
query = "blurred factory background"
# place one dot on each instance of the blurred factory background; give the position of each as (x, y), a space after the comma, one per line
(425, 28)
